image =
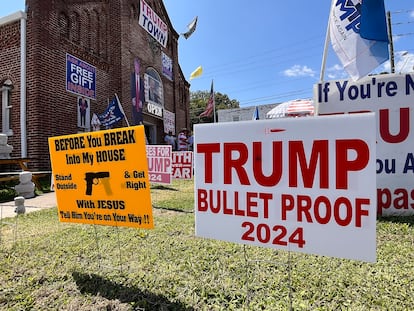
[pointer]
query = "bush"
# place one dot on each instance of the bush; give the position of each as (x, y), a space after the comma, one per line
(7, 194)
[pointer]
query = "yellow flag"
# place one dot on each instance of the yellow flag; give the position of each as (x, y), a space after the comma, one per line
(196, 73)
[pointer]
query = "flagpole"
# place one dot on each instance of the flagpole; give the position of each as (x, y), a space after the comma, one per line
(122, 109)
(325, 49)
(214, 103)
(325, 53)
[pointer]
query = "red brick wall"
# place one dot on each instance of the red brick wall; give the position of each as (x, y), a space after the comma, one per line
(10, 70)
(106, 34)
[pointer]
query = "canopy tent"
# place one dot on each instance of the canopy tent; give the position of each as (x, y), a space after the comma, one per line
(293, 108)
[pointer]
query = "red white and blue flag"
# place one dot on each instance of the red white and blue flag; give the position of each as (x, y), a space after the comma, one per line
(210, 104)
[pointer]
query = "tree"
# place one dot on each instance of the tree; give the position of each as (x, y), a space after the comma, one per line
(198, 103)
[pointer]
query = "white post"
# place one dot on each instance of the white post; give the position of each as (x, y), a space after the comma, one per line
(324, 55)
(23, 129)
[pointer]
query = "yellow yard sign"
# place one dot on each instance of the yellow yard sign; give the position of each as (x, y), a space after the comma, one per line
(102, 178)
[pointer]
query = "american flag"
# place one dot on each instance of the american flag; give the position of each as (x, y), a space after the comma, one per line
(210, 104)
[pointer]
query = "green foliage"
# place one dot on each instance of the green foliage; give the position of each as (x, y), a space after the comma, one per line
(198, 103)
(47, 265)
(7, 194)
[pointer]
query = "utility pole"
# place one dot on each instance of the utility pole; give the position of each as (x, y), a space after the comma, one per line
(391, 44)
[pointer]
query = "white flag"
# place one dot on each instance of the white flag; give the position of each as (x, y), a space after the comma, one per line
(191, 28)
(358, 56)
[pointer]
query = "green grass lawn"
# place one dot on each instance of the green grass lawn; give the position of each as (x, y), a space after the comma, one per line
(48, 265)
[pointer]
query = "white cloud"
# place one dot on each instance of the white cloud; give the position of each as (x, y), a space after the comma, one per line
(396, 38)
(385, 67)
(336, 72)
(404, 63)
(299, 71)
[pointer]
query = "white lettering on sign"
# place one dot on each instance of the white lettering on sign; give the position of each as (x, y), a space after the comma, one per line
(154, 109)
(182, 167)
(159, 159)
(80, 77)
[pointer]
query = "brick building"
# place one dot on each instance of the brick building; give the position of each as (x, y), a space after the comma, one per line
(61, 54)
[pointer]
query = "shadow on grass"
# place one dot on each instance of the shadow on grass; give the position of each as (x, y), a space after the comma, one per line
(97, 285)
(173, 209)
(161, 187)
(409, 220)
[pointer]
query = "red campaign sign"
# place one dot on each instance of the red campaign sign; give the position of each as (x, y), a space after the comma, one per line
(182, 165)
(298, 184)
(159, 163)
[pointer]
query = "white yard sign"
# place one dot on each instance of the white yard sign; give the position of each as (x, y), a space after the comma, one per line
(303, 184)
(391, 97)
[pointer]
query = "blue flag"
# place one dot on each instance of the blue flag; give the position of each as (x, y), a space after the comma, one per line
(112, 114)
(373, 25)
(256, 114)
(358, 35)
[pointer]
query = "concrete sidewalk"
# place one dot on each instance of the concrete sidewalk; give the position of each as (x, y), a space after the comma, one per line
(45, 200)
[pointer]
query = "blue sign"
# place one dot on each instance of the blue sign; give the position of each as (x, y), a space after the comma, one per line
(80, 77)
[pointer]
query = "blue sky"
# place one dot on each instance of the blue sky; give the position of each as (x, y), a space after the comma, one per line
(265, 51)
(268, 51)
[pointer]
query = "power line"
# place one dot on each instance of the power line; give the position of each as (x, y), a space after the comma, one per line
(402, 11)
(279, 62)
(262, 62)
(404, 34)
(278, 59)
(401, 23)
(276, 96)
(259, 56)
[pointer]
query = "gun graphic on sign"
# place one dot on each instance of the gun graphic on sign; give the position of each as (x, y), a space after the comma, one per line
(94, 178)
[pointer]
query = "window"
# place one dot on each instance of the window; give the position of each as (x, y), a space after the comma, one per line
(6, 107)
(154, 91)
(64, 25)
(75, 27)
